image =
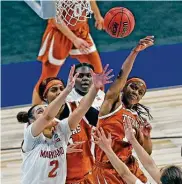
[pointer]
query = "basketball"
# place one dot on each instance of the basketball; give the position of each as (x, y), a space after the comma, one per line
(119, 22)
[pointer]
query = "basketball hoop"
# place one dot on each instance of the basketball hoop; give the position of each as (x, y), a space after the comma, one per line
(69, 11)
(72, 11)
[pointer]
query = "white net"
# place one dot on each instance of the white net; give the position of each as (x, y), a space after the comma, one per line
(72, 11)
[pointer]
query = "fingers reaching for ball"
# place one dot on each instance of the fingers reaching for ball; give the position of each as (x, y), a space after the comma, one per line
(144, 43)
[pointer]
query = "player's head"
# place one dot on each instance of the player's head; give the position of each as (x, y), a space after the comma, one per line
(134, 90)
(171, 175)
(50, 88)
(84, 79)
(32, 115)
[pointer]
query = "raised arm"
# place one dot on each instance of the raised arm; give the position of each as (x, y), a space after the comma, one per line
(53, 108)
(143, 156)
(98, 82)
(113, 93)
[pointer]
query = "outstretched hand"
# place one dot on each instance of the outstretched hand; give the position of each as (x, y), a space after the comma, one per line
(105, 143)
(146, 129)
(99, 80)
(144, 43)
(129, 131)
(71, 79)
(75, 147)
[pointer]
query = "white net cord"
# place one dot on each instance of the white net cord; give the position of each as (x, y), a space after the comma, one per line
(72, 11)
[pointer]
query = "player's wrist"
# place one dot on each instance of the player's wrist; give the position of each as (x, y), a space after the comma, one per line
(135, 51)
(73, 38)
(97, 15)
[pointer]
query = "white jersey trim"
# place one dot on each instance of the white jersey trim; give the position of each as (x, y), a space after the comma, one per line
(52, 59)
(44, 46)
(110, 114)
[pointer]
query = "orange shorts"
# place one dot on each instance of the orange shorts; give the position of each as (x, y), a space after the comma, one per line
(56, 47)
(105, 173)
(88, 179)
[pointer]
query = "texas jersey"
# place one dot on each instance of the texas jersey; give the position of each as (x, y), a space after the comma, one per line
(44, 160)
(80, 164)
(113, 123)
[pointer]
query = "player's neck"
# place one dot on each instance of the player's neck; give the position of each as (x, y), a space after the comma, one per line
(80, 92)
(127, 105)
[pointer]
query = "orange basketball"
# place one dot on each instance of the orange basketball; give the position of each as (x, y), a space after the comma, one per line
(119, 22)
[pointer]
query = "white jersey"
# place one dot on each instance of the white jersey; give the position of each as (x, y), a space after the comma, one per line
(138, 182)
(75, 97)
(44, 160)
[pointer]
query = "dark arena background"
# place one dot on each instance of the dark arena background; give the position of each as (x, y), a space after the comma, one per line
(160, 66)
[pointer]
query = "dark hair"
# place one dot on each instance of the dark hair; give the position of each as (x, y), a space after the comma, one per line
(24, 117)
(82, 65)
(141, 110)
(171, 175)
(43, 85)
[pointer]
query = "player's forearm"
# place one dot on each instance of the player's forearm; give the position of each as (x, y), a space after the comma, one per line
(54, 107)
(147, 145)
(95, 8)
(146, 160)
(119, 83)
(65, 30)
(83, 107)
(128, 65)
(120, 167)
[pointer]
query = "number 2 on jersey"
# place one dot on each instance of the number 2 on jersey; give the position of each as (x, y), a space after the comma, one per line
(53, 172)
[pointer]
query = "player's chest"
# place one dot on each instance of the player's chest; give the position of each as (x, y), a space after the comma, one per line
(128, 116)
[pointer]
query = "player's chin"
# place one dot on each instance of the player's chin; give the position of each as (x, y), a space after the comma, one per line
(85, 88)
(132, 101)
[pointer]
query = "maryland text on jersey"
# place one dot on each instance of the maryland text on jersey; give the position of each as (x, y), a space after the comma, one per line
(52, 154)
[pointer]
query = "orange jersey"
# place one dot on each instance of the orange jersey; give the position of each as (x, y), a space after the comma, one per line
(113, 123)
(80, 164)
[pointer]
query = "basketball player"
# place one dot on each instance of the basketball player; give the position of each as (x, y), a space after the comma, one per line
(82, 85)
(168, 175)
(46, 138)
(59, 41)
(115, 110)
(79, 164)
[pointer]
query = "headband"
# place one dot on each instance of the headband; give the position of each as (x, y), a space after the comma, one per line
(136, 80)
(50, 84)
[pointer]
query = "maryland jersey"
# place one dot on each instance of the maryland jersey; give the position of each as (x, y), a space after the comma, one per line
(44, 160)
